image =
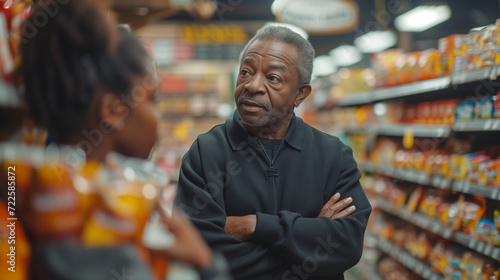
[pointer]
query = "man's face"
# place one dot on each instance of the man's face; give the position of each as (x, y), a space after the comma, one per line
(268, 83)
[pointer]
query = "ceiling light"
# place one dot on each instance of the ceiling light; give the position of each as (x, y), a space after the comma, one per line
(376, 41)
(345, 55)
(422, 18)
(323, 66)
(294, 28)
(278, 5)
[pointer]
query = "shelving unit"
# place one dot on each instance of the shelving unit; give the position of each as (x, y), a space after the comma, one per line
(438, 228)
(416, 88)
(477, 125)
(466, 187)
(402, 129)
(417, 219)
(421, 268)
(428, 90)
(436, 181)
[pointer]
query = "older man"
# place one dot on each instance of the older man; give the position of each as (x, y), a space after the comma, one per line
(264, 188)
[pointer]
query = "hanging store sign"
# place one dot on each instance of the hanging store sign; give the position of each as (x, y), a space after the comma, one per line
(320, 16)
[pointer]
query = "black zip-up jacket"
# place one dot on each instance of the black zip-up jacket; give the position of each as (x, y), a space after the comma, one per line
(227, 173)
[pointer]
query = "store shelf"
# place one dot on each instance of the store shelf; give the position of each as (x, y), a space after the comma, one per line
(436, 227)
(380, 94)
(405, 175)
(411, 176)
(465, 187)
(417, 219)
(416, 88)
(479, 246)
(417, 131)
(367, 167)
(411, 89)
(401, 130)
(418, 266)
(472, 76)
(427, 130)
(355, 99)
(477, 125)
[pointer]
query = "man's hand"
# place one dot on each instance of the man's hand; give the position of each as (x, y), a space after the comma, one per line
(335, 209)
(241, 227)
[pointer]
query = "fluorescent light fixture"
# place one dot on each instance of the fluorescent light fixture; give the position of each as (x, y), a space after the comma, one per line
(294, 28)
(323, 66)
(422, 18)
(345, 55)
(278, 5)
(376, 41)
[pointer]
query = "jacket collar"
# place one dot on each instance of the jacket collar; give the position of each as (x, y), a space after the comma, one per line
(240, 138)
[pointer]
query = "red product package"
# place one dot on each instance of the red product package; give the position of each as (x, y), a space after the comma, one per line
(496, 105)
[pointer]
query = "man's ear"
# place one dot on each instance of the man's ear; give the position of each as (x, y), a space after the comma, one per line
(112, 111)
(304, 91)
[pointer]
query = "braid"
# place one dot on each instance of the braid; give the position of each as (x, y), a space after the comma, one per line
(67, 59)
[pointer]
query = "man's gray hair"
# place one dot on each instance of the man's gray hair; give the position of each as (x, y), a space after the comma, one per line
(286, 35)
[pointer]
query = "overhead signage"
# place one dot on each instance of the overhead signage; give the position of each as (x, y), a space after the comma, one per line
(321, 16)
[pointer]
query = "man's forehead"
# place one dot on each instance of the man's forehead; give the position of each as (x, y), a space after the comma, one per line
(271, 49)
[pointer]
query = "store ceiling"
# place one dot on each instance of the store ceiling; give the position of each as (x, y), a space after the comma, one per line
(466, 14)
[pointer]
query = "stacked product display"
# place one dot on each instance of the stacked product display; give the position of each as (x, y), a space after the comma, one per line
(424, 128)
(456, 53)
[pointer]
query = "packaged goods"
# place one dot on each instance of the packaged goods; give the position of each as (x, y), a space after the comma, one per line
(384, 63)
(465, 110)
(448, 49)
(489, 173)
(496, 106)
(414, 199)
(484, 230)
(473, 211)
(449, 112)
(429, 65)
(486, 108)
(437, 256)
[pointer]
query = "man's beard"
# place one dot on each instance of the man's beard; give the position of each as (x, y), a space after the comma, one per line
(271, 118)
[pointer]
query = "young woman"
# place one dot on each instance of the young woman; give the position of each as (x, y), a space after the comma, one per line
(94, 87)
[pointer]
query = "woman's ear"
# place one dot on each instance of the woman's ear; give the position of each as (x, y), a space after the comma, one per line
(113, 111)
(304, 91)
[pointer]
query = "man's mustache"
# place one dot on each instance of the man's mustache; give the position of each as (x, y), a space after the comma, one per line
(248, 97)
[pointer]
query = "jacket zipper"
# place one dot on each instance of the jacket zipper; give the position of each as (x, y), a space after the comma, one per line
(271, 161)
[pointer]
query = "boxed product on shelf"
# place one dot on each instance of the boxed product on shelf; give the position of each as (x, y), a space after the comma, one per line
(384, 64)
(429, 65)
(448, 47)
(353, 80)
(496, 106)
(465, 110)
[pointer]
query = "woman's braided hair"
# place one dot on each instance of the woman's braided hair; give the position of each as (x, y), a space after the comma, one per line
(76, 52)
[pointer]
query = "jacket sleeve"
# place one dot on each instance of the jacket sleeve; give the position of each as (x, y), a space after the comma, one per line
(322, 245)
(205, 207)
